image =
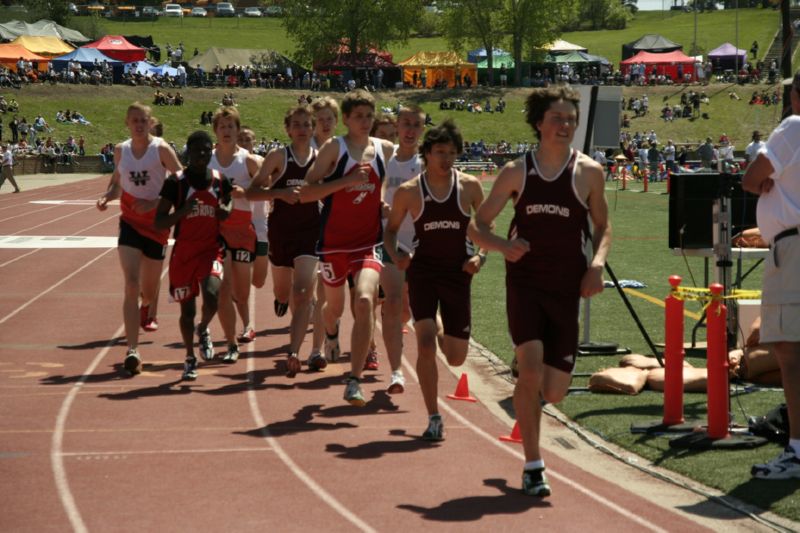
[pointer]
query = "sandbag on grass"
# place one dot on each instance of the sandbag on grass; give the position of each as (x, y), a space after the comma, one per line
(694, 379)
(626, 380)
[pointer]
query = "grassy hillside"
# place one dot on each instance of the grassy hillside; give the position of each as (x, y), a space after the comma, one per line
(713, 29)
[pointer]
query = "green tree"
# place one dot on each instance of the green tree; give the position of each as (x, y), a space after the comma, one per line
(55, 10)
(532, 24)
(475, 22)
(320, 27)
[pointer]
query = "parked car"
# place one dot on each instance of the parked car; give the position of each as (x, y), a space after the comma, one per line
(273, 11)
(198, 12)
(225, 9)
(150, 11)
(252, 12)
(173, 10)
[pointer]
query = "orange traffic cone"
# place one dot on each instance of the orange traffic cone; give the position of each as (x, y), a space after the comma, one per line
(515, 435)
(462, 390)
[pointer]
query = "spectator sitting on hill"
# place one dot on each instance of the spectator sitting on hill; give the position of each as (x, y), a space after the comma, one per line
(107, 155)
(77, 118)
(178, 98)
(60, 117)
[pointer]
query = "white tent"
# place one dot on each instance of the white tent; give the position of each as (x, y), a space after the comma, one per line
(560, 45)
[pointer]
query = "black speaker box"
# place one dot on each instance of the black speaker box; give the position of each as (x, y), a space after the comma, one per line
(691, 205)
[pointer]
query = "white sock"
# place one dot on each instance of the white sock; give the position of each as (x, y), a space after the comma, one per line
(534, 465)
(795, 445)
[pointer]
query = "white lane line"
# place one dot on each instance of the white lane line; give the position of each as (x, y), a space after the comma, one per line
(52, 220)
(17, 242)
(163, 452)
(71, 202)
(325, 496)
(54, 286)
(515, 453)
(57, 442)
(23, 256)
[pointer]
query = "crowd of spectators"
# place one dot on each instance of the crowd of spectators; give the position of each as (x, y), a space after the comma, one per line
(473, 106)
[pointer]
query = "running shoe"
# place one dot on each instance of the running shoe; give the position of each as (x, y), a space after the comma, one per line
(147, 323)
(293, 365)
(281, 308)
(132, 363)
(190, 369)
(206, 346)
(398, 383)
(353, 394)
(534, 483)
(371, 363)
(232, 355)
(317, 362)
(248, 335)
(332, 350)
(435, 431)
(785, 466)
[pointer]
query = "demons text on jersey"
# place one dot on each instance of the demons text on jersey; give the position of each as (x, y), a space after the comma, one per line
(547, 209)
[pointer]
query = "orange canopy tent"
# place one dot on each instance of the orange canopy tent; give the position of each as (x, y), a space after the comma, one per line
(438, 66)
(10, 54)
(49, 46)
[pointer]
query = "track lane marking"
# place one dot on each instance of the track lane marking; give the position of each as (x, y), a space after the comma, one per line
(54, 286)
(515, 453)
(325, 496)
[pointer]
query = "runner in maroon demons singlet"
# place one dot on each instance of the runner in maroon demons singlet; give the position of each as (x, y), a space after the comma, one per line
(436, 276)
(293, 228)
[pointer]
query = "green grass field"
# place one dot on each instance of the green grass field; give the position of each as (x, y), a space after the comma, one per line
(639, 248)
(713, 29)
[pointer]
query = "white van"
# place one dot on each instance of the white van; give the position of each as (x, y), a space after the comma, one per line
(173, 10)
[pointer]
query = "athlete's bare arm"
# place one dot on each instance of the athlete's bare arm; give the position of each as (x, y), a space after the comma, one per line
(506, 187)
(472, 194)
(315, 188)
(114, 189)
(592, 178)
(164, 219)
(406, 201)
(169, 159)
(260, 186)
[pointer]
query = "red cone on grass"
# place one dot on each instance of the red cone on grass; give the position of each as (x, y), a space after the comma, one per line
(462, 390)
(515, 435)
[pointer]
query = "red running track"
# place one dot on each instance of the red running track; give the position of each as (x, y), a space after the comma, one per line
(83, 447)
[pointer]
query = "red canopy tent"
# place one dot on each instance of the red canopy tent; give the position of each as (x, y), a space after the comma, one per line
(117, 47)
(665, 63)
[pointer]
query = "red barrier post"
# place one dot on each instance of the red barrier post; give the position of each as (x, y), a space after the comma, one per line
(624, 177)
(673, 356)
(644, 181)
(717, 365)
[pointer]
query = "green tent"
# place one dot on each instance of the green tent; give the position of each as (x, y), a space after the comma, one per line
(506, 60)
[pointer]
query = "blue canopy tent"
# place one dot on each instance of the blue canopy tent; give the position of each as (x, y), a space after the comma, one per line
(88, 58)
(476, 56)
(148, 69)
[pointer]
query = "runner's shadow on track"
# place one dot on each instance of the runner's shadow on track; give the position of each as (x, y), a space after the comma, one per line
(117, 374)
(472, 508)
(381, 403)
(164, 389)
(302, 422)
(379, 448)
(99, 344)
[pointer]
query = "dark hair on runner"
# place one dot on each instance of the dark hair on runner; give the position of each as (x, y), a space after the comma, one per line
(540, 100)
(356, 98)
(199, 136)
(296, 110)
(446, 132)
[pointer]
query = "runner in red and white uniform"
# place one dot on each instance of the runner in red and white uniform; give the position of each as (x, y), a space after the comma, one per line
(440, 269)
(198, 198)
(404, 165)
(348, 176)
(293, 230)
(553, 190)
(238, 233)
(142, 163)
(246, 140)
